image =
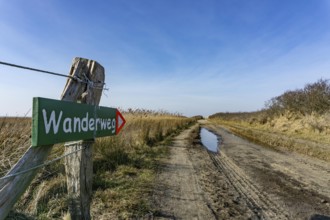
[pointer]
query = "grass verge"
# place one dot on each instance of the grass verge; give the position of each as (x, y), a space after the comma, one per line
(280, 141)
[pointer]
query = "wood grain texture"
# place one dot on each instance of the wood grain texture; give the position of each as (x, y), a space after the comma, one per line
(79, 166)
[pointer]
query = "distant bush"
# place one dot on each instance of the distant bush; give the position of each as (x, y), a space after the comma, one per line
(314, 97)
(232, 116)
(146, 112)
(198, 117)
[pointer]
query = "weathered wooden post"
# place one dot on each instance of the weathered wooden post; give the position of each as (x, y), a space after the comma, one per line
(79, 166)
(79, 184)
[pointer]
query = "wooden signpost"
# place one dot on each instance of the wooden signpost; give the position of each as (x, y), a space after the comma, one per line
(66, 120)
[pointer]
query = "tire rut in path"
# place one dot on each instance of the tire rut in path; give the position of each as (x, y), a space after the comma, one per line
(195, 184)
(257, 201)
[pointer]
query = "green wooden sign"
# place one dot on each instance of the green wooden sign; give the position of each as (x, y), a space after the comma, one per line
(56, 121)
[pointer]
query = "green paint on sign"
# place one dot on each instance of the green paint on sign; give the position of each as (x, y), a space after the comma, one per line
(56, 121)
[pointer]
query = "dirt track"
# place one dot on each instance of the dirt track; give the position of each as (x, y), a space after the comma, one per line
(243, 181)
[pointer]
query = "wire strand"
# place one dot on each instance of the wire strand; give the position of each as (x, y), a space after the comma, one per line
(40, 165)
(88, 82)
(37, 70)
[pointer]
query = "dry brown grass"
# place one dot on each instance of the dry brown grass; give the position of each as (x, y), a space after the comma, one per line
(124, 168)
(304, 134)
(14, 140)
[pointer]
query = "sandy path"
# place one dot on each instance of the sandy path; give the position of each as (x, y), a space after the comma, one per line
(180, 196)
(243, 181)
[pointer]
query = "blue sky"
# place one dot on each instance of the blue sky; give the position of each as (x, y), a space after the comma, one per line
(193, 57)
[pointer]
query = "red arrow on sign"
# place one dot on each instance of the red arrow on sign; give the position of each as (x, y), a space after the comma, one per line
(120, 121)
